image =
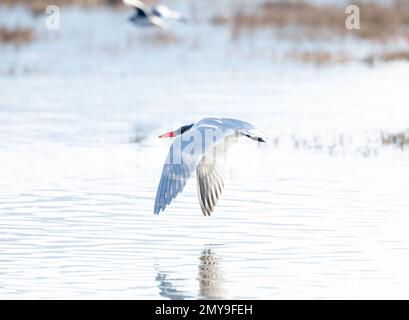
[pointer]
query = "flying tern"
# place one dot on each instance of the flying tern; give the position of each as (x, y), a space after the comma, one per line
(200, 147)
(156, 15)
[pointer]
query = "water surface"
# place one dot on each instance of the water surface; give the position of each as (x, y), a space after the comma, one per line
(320, 211)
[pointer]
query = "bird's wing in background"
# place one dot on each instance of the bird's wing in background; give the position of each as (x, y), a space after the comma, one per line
(141, 8)
(159, 22)
(164, 12)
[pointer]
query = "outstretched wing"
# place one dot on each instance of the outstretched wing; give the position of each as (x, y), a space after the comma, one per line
(210, 179)
(141, 9)
(166, 13)
(173, 180)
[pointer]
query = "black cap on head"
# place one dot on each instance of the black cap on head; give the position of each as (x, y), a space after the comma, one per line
(186, 128)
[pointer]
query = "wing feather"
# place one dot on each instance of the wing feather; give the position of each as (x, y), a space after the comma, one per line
(173, 180)
(210, 177)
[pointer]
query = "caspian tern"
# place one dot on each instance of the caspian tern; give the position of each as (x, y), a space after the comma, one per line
(152, 16)
(200, 146)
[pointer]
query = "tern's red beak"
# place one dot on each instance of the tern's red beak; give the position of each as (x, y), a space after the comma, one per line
(169, 134)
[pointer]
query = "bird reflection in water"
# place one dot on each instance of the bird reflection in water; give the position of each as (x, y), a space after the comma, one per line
(209, 277)
(167, 288)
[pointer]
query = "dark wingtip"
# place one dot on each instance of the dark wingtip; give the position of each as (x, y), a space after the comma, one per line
(259, 139)
(206, 212)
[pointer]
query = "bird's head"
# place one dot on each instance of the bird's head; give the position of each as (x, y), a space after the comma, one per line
(181, 130)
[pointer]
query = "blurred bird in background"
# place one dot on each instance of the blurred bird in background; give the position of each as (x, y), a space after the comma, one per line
(156, 15)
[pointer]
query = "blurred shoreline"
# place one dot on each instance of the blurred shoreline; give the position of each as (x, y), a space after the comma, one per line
(302, 31)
